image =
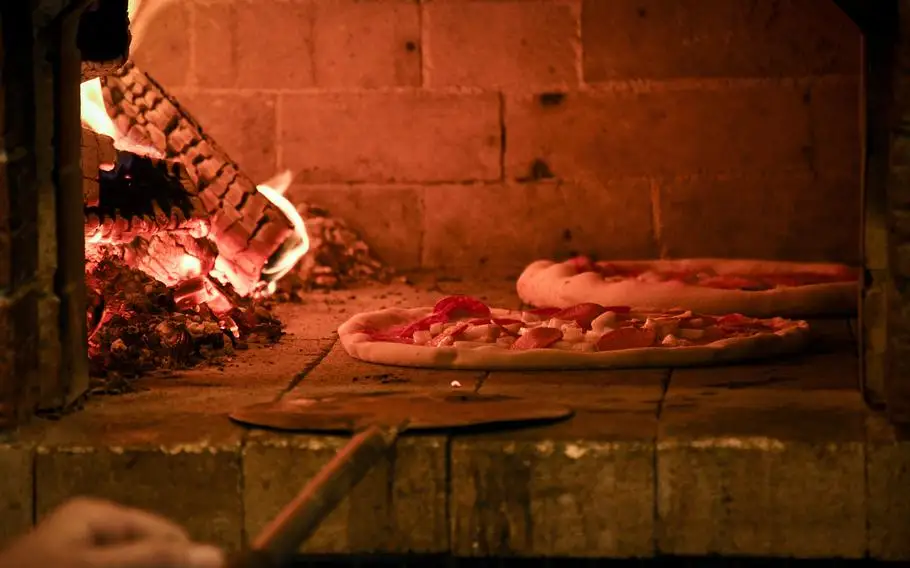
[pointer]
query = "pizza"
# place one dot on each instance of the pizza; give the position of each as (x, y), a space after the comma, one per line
(461, 332)
(753, 287)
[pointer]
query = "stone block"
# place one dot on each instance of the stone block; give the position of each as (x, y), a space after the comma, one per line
(888, 475)
(521, 44)
(761, 472)
(162, 36)
(16, 490)
(746, 128)
(779, 217)
(501, 228)
(170, 447)
(338, 372)
(650, 39)
(244, 125)
(836, 116)
(399, 507)
(390, 219)
(195, 485)
(874, 329)
(171, 450)
(582, 487)
(254, 44)
(366, 44)
(390, 136)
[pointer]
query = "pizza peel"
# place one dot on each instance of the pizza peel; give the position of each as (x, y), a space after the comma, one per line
(375, 419)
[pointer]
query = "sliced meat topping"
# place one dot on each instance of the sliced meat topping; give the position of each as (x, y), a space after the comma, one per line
(537, 338)
(585, 327)
(627, 338)
(461, 306)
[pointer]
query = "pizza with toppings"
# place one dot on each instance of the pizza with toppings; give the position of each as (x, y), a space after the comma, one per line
(461, 332)
(752, 287)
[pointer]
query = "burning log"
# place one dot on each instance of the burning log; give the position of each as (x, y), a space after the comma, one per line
(169, 216)
(103, 37)
(118, 230)
(98, 154)
(249, 231)
(246, 225)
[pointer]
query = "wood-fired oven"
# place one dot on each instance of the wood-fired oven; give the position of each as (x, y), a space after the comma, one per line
(449, 142)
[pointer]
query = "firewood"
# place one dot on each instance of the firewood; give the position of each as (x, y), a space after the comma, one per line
(247, 229)
(97, 152)
(94, 69)
(239, 213)
(103, 37)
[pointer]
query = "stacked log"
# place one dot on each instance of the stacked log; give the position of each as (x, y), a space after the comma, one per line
(245, 227)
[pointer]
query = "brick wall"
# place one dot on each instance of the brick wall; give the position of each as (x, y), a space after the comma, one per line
(458, 133)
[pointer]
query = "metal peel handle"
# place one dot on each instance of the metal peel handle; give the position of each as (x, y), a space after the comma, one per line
(283, 536)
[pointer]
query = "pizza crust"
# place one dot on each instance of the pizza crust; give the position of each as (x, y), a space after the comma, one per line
(360, 346)
(548, 284)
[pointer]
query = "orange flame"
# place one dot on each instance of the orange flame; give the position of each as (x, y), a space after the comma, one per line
(273, 190)
(95, 117)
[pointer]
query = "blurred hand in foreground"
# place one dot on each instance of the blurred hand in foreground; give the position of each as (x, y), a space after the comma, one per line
(88, 533)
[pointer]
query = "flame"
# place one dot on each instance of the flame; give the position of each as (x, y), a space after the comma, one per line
(95, 117)
(273, 190)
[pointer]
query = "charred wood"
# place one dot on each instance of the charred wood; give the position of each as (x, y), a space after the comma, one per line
(103, 37)
(247, 229)
(245, 226)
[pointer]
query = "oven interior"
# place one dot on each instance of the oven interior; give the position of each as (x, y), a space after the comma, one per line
(272, 168)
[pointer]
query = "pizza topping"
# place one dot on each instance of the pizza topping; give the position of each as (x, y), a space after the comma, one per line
(626, 338)
(582, 314)
(460, 306)
(671, 341)
(425, 323)
(539, 314)
(582, 264)
(538, 338)
(389, 336)
(584, 327)
(421, 337)
(689, 333)
(447, 337)
(572, 333)
(708, 278)
(486, 332)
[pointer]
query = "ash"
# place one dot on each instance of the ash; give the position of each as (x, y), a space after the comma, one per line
(135, 327)
(338, 258)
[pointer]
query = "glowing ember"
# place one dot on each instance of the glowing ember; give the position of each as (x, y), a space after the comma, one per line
(191, 266)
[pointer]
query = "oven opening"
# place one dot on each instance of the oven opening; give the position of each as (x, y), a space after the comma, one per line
(199, 195)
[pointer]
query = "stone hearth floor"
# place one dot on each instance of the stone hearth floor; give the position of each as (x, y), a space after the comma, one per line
(779, 459)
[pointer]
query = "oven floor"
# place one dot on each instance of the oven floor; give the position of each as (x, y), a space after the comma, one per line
(774, 459)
